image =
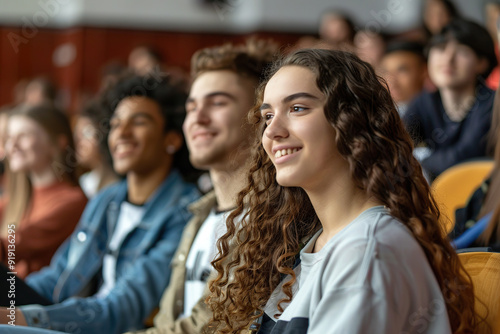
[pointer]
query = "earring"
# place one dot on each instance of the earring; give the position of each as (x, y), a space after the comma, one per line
(171, 149)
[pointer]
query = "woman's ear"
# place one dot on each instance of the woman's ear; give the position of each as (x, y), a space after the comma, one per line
(173, 142)
(482, 65)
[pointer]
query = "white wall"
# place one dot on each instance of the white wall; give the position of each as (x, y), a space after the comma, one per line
(239, 16)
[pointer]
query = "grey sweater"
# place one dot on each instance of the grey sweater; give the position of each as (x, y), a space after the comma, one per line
(372, 277)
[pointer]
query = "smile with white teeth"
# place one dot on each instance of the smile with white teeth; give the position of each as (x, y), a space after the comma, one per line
(120, 148)
(283, 152)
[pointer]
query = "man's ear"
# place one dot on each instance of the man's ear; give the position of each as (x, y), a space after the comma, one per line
(173, 142)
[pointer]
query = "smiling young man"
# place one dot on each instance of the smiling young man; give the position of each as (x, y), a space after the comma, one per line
(109, 275)
(218, 137)
(452, 122)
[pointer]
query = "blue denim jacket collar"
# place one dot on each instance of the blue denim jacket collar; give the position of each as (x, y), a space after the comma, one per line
(170, 189)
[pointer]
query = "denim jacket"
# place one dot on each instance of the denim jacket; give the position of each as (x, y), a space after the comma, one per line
(142, 268)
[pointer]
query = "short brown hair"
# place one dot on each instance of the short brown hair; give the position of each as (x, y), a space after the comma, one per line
(249, 59)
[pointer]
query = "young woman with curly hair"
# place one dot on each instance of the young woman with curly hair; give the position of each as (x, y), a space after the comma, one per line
(334, 164)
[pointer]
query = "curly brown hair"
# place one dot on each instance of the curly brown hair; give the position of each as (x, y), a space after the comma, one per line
(372, 138)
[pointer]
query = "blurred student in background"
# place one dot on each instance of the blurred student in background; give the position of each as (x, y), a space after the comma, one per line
(450, 125)
(336, 30)
(404, 67)
(143, 60)
(42, 206)
(437, 14)
(40, 90)
(92, 149)
(370, 46)
(486, 198)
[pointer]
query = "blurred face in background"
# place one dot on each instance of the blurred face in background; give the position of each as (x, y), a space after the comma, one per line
(454, 65)
(334, 29)
(141, 62)
(34, 94)
(29, 147)
(370, 47)
(86, 142)
(405, 73)
(137, 140)
(40, 91)
(436, 16)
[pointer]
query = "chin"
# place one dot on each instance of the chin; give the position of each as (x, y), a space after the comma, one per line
(286, 181)
(17, 167)
(205, 161)
(121, 169)
(198, 163)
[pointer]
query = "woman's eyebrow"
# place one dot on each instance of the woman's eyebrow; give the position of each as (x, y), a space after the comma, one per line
(299, 95)
(291, 98)
(265, 106)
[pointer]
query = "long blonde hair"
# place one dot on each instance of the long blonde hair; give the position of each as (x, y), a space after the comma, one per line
(18, 189)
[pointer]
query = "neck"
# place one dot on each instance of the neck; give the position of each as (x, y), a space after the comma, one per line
(105, 174)
(337, 203)
(141, 187)
(43, 178)
(458, 102)
(227, 185)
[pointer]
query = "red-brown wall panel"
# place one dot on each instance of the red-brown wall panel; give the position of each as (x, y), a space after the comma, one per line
(94, 48)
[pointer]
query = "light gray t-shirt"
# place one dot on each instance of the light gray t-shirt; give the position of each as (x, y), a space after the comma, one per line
(371, 277)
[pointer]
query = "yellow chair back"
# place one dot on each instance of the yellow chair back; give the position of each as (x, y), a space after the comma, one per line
(455, 185)
(484, 269)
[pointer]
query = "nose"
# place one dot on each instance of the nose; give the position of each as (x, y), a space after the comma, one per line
(277, 127)
(201, 114)
(124, 129)
(450, 52)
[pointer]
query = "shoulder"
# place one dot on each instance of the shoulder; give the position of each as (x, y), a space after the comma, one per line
(422, 104)
(484, 94)
(73, 194)
(425, 98)
(484, 104)
(187, 192)
(379, 245)
(171, 200)
(119, 188)
(64, 195)
(203, 205)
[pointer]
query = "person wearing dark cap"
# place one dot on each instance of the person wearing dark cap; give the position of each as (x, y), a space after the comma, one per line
(449, 125)
(404, 67)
